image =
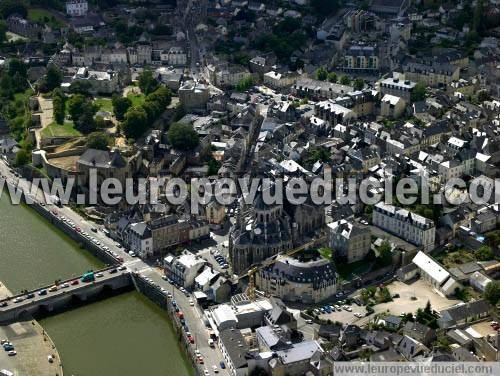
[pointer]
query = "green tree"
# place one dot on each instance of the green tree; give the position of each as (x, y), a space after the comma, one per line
(58, 106)
(483, 95)
(385, 254)
(484, 253)
(182, 136)
(98, 140)
(492, 292)
(418, 93)
(8, 7)
(478, 19)
(85, 123)
(80, 87)
(332, 77)
(3, 30)
(135, 122)
(76, 106)
(325, 7)
(22, 158)
(345, 80)
(120, 106)
(52, 79)
(358, 84)
(244, 84)
(318, 154)
(147, 83)
(213, 166)
(442, 343)
(321, 74)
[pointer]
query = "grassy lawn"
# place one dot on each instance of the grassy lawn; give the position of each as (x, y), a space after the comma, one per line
(137, 99)
(326, 253)
(104, 104)
(345, 271)
(453, 259)
(44, 17)
(60, 130)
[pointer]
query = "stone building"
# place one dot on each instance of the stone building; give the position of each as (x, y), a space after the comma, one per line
(350, 241)
(298, 280)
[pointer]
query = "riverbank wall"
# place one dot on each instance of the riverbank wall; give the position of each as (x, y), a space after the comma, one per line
(152, 292)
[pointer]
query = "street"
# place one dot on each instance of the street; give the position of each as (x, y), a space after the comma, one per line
(193, 317)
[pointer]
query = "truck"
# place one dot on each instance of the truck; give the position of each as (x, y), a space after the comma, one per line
(4, 372)
(88, 277)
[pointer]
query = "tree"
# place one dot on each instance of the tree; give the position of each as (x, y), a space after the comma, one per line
(492, 292)
(442, 343)
(315, 154)
(478, 18)
(484, 253)
(98, 140)
(325, 7)
(358, 84)
(332, 77)
(76, 106)
(135, 122)
(345, 80)
(182, 136)
(120, 106)
(85, 123)
(58, 106)
(52, 79)
(385, 254)
(147, 83)
(82, 111)
(418, 93)
(244, 84)
(213, 166)
(80, 87)
(483, 95)
(3, 30)
(8, 7)
(321, 74)
(22, 158)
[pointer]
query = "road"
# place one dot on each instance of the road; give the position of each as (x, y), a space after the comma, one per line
(193, 321)
(46, 116)
(64, 287)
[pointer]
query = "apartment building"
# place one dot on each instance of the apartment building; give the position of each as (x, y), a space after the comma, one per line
(409, 226)
(350, 240)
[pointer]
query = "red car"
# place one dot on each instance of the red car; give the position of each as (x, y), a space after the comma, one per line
(200, 360)
(496, 327)
(120, 259)
(74, 282)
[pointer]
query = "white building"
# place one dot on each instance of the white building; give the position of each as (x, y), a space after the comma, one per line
(392, 107)
(138, 239)
(409, 226)
(435, 274)
(77, 8)
(183, 269)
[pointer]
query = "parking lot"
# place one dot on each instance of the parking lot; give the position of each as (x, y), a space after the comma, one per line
(343, 315)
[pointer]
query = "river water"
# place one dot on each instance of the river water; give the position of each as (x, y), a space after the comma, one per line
(125, 335)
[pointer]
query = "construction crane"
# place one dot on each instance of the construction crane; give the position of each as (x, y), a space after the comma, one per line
(250, 290)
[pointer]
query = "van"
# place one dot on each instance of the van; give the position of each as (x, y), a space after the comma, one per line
(4, 372)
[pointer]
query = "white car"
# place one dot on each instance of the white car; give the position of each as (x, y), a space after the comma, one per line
(18, 299)
(191, 302)
(206, 373)
(214, 367)
(358, 315)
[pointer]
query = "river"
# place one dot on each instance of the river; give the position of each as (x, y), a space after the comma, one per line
(124, 335)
